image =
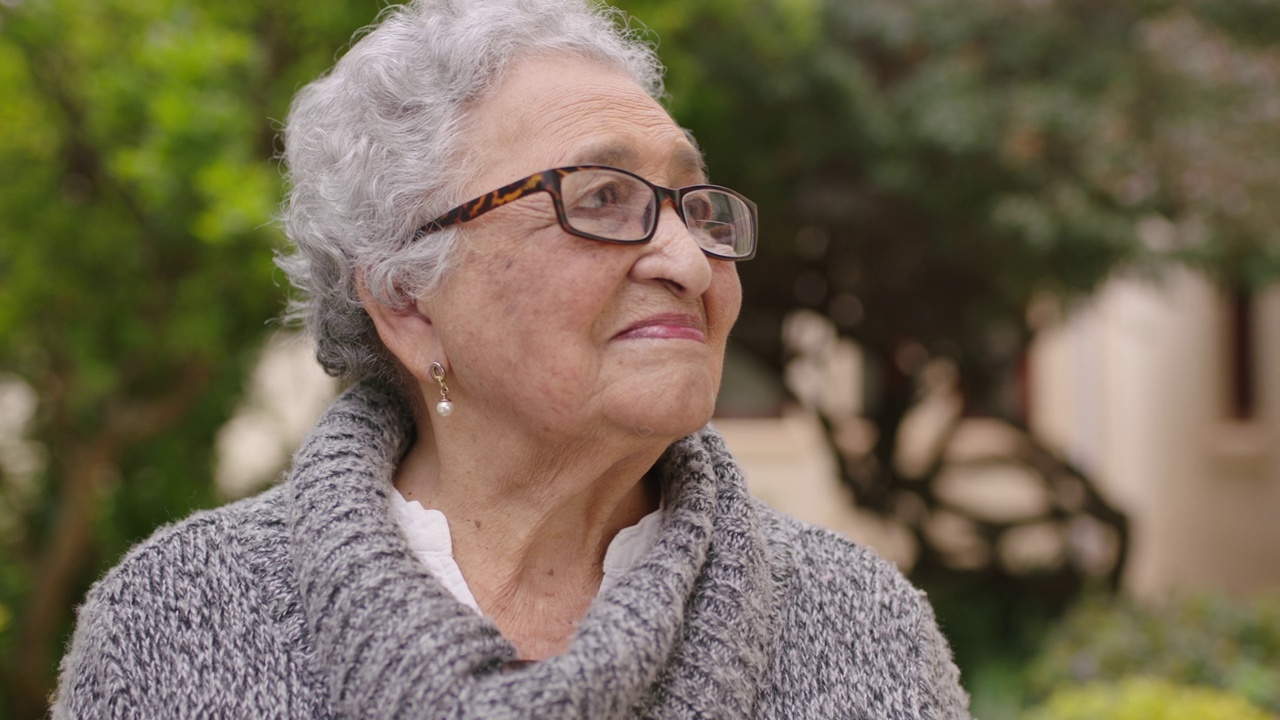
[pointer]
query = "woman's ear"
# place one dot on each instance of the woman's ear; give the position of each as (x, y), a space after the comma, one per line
(407, 332)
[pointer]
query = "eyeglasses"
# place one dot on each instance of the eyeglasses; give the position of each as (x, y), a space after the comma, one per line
(616, 206)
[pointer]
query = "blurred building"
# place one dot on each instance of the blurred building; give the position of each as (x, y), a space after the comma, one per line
(1168, 392)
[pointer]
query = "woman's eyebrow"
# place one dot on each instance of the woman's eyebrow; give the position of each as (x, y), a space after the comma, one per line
(688, 162)
(612, 154)
(685, 161)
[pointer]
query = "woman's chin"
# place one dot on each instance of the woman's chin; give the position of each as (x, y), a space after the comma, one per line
(672, 417)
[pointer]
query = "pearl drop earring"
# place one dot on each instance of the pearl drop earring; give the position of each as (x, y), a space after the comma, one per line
(445, 406)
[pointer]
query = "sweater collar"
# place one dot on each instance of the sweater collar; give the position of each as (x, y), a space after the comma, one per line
(685, 632)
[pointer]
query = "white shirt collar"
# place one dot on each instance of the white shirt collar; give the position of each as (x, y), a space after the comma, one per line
(431, 542)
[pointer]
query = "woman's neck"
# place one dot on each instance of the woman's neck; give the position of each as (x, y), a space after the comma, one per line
(530, 522)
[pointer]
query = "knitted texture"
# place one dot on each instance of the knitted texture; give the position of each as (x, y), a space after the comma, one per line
(306, 602)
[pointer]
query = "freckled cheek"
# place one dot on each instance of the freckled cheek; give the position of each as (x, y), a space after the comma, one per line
(513, 281)
(546, 314)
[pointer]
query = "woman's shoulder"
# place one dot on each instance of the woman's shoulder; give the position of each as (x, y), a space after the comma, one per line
(823, 559)
(197, 545)
(180, 600)
(815, 559)
(187, 559)
(852, 620)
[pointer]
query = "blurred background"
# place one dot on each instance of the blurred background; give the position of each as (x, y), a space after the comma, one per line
(1015, 322)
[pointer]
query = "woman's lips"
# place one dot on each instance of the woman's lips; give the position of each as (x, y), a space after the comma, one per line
(666, 326)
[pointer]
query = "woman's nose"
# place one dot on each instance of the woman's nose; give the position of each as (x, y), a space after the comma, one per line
(674, 257)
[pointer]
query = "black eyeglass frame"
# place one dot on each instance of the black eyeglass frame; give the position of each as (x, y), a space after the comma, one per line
(548, 181)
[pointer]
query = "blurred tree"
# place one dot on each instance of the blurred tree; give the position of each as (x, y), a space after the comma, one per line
(136, 189)
(926, 170)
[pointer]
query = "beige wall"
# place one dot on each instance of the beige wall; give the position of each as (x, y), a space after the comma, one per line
(1134, 387)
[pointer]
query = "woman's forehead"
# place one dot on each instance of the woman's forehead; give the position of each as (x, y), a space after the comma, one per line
(554, 111)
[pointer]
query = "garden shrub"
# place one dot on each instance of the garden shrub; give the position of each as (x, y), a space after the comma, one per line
(1201, 640)
(1140, 698)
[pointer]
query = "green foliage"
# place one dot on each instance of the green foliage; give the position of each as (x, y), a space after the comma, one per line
(1145, 699)
(994, 634)
(1199, 640)
(137, 185)
(970, 154)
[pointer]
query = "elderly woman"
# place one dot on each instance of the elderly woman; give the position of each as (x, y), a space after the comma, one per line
(512, 252)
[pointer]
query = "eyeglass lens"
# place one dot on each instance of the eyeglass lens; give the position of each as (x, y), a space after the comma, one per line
(617, 206)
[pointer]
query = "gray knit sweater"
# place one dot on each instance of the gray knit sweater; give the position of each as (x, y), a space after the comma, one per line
(305, 602)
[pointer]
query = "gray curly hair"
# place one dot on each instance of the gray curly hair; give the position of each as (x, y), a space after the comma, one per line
(373, 150)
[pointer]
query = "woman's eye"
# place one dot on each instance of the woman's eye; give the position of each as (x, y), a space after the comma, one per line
(698, 209)
(606, 195)
(607, 204)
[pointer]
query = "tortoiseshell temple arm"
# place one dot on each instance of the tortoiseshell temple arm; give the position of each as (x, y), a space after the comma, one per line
(546, 181)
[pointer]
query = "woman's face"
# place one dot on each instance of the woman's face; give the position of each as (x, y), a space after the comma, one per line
(566, 336)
